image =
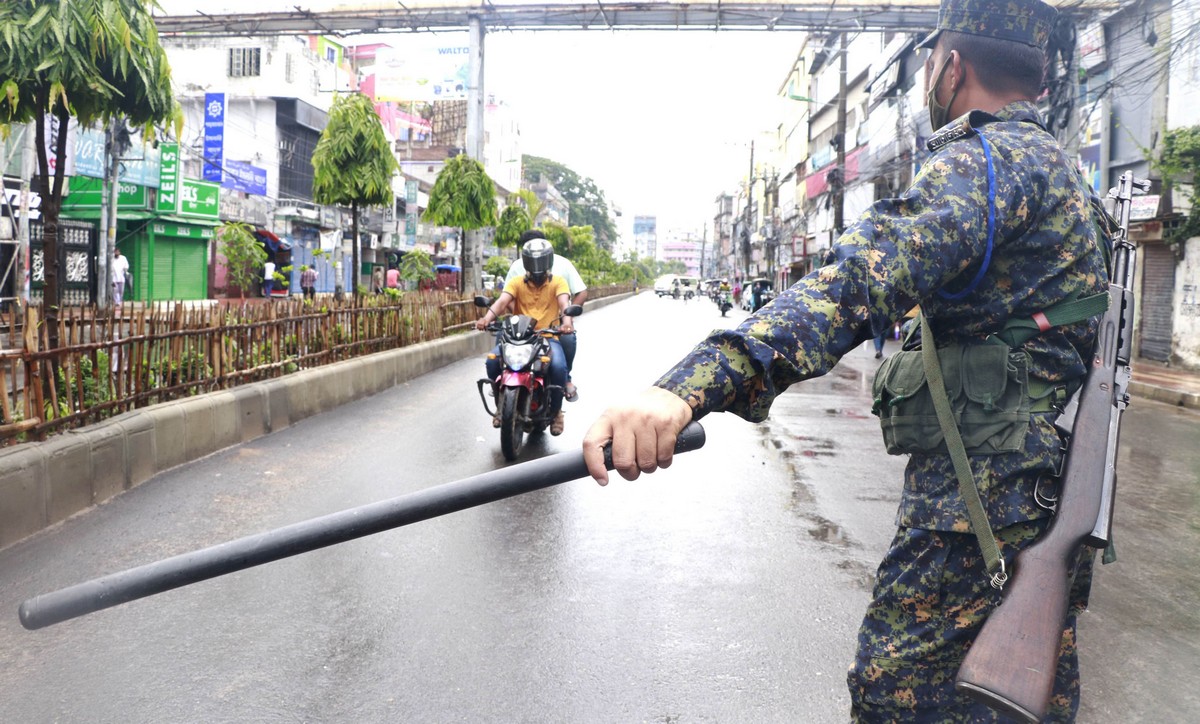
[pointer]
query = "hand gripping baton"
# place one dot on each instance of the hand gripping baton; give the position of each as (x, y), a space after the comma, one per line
(117, 588)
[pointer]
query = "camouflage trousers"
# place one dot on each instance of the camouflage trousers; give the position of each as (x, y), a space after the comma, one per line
(931, 597)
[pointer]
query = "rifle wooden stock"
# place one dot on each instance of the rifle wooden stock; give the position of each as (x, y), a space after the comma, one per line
(1013, 662)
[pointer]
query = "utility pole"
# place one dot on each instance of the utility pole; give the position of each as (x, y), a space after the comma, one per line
(839, 188)
(118, 145)
(108, 213)
(471, 244)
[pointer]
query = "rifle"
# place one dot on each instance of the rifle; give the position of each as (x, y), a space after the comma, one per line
(1011, 666)
(309, 535)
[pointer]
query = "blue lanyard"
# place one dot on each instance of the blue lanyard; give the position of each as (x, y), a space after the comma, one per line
(991, 225)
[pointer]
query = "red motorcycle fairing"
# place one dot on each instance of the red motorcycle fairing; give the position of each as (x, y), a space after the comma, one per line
(510, 378)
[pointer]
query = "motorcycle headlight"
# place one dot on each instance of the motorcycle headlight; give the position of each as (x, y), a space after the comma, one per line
(517, 356)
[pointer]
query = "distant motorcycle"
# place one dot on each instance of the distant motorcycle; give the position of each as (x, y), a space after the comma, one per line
(725, 302)
(520, 394)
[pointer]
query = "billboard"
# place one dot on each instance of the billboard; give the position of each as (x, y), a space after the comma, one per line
(422, 72)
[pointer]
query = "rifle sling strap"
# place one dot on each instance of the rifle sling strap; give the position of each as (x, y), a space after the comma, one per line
(1017, 331)
(958, 456)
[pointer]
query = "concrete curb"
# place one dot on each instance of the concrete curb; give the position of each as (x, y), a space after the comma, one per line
(44, 483)
(1178, 398)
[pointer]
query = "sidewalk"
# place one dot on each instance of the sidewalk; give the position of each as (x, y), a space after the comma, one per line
(1156, 381)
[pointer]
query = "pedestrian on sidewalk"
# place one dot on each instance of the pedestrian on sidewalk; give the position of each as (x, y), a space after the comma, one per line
(120, 272)
(984, 233)
(268, 278)
(308, 281)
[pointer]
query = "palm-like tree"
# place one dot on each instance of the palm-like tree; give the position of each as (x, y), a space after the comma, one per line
(353, 163)
(464, 196)
(91, 59)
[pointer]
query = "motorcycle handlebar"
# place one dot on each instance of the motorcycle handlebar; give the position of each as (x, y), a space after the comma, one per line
(495, 327)
(309, 535)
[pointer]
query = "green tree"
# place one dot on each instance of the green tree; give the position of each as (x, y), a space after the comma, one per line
(588, 206)
(416, 267)
(464, 196)
(244, 255)
(1179, 163)
(514, 221)
(91, 59)
(353, 163)
(497, 266)
(531, 203)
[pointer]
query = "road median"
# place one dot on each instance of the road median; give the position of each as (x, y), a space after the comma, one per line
(44, 483)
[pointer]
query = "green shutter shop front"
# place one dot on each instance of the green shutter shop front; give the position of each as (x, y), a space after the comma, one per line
(169, 260)
(168, 255)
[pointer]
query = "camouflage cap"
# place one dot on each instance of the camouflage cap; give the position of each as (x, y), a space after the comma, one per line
(1019, 21)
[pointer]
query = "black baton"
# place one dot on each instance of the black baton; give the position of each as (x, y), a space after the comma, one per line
(236, 555)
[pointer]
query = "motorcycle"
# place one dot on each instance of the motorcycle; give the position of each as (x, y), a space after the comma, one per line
(725, 302)
(520, 394)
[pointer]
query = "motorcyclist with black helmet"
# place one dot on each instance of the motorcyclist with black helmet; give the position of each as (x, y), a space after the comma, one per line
(543, 296)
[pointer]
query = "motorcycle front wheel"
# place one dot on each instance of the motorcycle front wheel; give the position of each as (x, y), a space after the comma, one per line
(512, 430)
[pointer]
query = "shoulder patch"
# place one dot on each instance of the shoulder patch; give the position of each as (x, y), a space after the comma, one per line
(962, 127)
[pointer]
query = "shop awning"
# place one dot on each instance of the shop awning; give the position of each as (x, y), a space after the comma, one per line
(188, 220)
(272, 241)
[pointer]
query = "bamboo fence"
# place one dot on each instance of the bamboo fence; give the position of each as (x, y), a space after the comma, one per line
(112, 361)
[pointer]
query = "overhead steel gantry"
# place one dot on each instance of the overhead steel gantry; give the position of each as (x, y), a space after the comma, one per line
(902, 15)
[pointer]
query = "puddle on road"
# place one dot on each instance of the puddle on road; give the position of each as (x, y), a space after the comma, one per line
(810, 447)
(846, 412)
(819, 528)
(847, 379)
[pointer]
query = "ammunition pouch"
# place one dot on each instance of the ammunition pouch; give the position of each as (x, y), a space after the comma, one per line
(989, 390)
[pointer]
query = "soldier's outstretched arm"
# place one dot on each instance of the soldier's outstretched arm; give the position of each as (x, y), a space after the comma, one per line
(642, 431)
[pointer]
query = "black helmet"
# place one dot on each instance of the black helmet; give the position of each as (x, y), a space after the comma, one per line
(537, 256)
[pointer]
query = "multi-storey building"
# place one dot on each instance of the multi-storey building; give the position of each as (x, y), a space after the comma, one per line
(555, 207)
(1131, 80)
(722, 248)
(276, 92)
(688, 248)
(645, 236)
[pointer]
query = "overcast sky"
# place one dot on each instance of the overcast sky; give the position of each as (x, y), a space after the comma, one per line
(660, 120)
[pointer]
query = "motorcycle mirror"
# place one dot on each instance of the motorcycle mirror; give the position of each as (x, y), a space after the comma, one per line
(481, 301)
(573, 311)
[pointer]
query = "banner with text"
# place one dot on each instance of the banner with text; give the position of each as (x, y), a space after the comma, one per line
(241, 176)
(214, 135)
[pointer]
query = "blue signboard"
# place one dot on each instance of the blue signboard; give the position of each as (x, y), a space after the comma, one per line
(89, 153)
(241, 176)
(139, 165)
(214, 135)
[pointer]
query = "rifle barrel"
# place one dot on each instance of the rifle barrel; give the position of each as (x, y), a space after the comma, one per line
(165, 575)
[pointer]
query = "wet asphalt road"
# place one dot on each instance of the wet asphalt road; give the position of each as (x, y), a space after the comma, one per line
(726, 589)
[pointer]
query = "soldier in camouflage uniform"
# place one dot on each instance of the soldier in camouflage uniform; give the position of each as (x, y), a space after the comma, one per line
(930, 247)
